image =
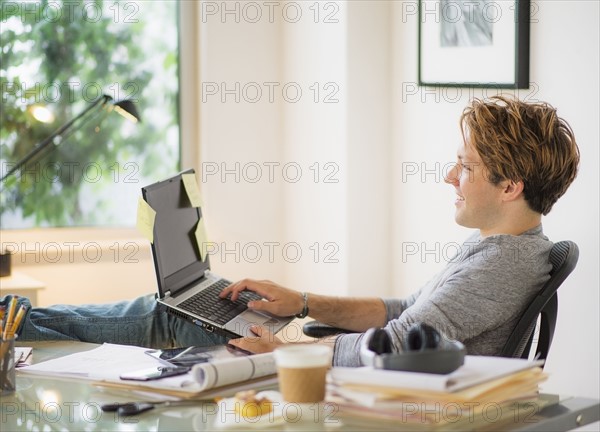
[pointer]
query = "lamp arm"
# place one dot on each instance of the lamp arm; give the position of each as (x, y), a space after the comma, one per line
(60, 131)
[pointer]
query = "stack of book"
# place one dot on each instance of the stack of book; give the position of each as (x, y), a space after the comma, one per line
(485, 391)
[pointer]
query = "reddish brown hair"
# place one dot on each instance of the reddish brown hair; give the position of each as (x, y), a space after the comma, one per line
(526, 142)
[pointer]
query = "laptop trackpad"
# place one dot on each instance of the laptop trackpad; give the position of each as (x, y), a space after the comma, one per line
(242, 323)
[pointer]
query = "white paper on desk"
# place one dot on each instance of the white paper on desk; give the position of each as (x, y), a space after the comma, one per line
(107, 363)
(476, 370)
(234, 370)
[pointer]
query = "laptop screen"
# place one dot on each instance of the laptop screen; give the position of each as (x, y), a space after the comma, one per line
(176, 255)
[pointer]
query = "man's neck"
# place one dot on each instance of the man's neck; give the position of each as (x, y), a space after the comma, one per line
(514, 226)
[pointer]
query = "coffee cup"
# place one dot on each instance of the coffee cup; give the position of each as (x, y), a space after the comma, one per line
(301, 370)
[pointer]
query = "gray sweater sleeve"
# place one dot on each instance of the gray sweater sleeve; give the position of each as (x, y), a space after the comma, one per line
(347, 345)
(475, 299)
(395, 307)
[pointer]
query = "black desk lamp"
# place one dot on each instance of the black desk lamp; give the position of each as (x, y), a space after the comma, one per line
(125, 107)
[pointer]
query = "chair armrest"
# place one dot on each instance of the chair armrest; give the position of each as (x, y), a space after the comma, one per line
(317, 329)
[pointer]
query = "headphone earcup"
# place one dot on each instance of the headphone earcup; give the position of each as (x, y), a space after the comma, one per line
(422, 336)
(380, 342)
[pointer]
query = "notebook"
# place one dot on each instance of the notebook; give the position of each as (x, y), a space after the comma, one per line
(186, 286)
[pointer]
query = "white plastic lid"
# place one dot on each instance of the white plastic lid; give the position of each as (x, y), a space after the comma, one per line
(303, 356)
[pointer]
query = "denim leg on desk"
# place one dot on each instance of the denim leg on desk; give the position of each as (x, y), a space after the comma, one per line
(141, 322)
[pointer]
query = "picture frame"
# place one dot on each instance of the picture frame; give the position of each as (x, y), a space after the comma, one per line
(466, 43)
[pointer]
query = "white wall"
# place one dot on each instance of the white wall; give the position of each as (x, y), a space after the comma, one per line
(240, 138)
(314, 208)
(331, 146)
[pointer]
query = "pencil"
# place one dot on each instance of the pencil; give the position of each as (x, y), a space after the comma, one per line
(17, 322)
(10, 317)
(2, 314)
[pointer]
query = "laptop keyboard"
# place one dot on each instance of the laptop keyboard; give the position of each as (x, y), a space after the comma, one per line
(209, 305)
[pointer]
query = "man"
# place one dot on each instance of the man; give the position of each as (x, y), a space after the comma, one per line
(516, 160)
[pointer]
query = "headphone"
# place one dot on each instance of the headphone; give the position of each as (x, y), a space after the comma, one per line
(423, 350)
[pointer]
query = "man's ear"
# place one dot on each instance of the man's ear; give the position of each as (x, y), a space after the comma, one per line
(512, 190)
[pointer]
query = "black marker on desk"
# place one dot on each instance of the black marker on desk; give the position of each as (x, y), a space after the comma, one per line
(133, 408)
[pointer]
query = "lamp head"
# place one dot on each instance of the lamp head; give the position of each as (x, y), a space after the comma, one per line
(127, 109)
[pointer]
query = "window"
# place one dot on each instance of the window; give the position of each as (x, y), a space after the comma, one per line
(61, 56)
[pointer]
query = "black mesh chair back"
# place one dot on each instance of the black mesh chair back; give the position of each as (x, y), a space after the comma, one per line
(563, 257)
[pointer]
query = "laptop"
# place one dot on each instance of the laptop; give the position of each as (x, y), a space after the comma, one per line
(186, 285)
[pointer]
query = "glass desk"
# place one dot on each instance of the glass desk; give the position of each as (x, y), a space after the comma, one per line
(46, 404)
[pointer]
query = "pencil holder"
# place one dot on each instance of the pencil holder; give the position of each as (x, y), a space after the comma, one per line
(7, 366)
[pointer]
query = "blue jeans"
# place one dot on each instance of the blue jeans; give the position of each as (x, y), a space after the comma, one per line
(140, 322)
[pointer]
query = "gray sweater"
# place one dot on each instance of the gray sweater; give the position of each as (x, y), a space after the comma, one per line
(476, 299)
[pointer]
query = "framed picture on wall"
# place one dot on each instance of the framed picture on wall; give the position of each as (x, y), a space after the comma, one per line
(474, 43)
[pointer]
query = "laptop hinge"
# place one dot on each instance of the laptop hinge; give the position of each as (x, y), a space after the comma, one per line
(167, 294)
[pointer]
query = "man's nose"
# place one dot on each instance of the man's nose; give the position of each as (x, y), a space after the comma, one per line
(451, 176)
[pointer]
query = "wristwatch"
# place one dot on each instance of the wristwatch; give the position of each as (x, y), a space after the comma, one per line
(304, 312)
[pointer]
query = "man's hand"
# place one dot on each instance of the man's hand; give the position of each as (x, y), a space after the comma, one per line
(264, 342)
(280, 301)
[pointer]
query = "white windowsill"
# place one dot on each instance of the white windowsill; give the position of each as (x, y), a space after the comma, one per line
(73, 245)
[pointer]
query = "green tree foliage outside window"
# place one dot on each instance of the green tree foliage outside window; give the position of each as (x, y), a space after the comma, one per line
(63, 56)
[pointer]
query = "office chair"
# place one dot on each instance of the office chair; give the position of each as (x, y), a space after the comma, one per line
(563, 257)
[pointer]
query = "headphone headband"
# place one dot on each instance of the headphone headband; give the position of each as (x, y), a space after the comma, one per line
(424, 350)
